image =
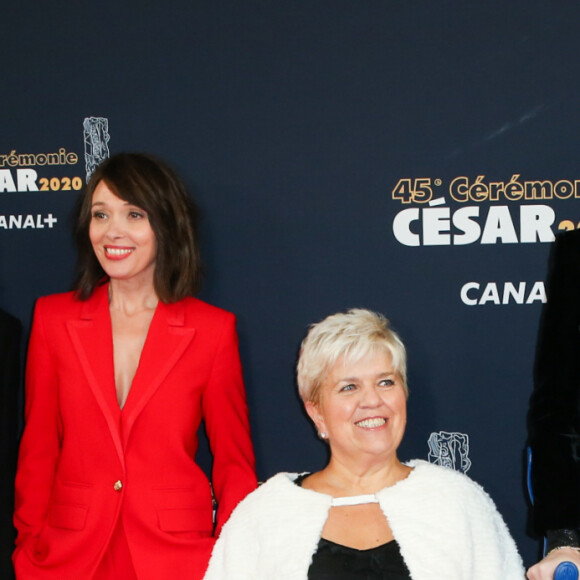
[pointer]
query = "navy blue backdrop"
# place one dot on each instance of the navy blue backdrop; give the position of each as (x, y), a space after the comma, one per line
(410, 157)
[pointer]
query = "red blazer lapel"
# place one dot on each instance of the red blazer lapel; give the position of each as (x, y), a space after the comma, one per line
(92, 340)
(167, 339)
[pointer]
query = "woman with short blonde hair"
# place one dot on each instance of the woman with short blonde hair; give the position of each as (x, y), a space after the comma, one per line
(365, 514)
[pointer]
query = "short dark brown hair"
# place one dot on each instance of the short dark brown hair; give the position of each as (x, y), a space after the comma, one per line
(149, 183)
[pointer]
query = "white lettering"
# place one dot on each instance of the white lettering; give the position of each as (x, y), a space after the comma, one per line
(536, 221)
(439, 226)
(435, 222)
(15, 221)
(50, 220)
(490, 294)
(402, 227)
(537, 293)
(470, 228)
(6, 181)
(28, 222)
(23, 222)
(465, 289)
(499, 225)
(470, 295)
(510, 290)
(26, 179)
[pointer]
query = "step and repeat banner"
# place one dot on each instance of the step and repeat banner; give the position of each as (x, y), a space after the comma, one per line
(412, 158)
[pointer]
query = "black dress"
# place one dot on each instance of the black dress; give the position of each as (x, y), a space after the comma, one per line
(333, 561)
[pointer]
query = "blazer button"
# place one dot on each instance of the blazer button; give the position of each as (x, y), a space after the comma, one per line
(118, 486)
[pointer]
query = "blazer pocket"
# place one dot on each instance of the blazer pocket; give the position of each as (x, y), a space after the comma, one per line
(185, 520)
(69, 517)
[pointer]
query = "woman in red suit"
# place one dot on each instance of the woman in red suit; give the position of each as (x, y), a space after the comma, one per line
(120, 373)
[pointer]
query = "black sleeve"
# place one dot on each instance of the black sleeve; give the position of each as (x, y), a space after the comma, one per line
(10, 388)
(554, 415)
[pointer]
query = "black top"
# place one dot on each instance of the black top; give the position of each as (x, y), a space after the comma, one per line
(336, 562)
(333, 561)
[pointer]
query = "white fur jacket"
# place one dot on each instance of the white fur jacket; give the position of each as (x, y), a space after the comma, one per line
(446, 525)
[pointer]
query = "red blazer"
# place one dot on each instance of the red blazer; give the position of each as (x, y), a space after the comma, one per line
(84, 463)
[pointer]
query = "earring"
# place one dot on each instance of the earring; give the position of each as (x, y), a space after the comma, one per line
(322, 435)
